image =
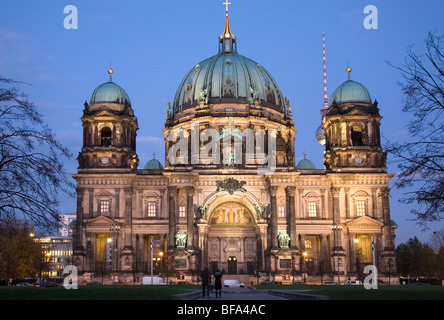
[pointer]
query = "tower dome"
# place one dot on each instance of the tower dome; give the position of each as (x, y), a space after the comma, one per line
(110, 92)
(227, 77)
(350, 91)
(153, 164)
(305, 164)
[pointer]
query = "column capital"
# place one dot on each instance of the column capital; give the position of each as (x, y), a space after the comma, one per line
(128, 190)
(190, 190)
(171, 190)
(335, 191)
(384, 192)
(290, 190)
(272, 190)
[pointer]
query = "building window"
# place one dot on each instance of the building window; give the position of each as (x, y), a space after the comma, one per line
(151, 208)
(308, 244)
(281, 212)
(356, 136)
(105, 137)
(104, 207)
(360, 207)
(182, 212)
(312, 209)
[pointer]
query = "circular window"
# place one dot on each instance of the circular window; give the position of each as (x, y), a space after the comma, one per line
(188, 88)
(228, 62)
(228, 82)
(197, 67)
(259, 67)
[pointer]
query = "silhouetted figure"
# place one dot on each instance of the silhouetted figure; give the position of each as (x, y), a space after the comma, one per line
(205, 279)
(218, 283)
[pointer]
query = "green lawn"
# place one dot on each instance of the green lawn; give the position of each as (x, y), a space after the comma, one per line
(129, 292)
(84, 292)
(416, 292)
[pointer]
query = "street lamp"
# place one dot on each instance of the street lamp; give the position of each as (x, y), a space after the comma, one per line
(336, 227)
(304, 254)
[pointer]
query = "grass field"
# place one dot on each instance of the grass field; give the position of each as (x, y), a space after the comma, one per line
(129, 292)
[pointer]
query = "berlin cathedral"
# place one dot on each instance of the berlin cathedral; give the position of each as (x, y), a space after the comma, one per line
(230, 195)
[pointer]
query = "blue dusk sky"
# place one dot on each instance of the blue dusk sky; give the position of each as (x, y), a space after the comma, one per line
(153, 44)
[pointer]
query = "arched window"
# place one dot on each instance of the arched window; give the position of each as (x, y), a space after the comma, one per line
(360, 203)
(105, 137)
(312, 204)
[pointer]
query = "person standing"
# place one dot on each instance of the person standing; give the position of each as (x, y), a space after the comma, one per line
(218, 283)
(205, 279)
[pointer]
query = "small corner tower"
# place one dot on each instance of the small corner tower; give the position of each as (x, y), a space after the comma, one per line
(352, 131)
(109, 130)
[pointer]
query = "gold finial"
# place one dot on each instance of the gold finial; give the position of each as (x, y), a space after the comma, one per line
(305, 153)
(110, 72)
(348, 71)
(154, 155)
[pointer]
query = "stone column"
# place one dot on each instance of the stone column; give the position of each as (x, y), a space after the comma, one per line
(91, 202)
(347, 202)
(78, 239)
(324, 254)
(128, 216)
(388, 243)
(172, 217)
(261, 238)
(190, 218)
(290, 191)
(202, 230)
(117, 203)
(274, 227)
(352, 251)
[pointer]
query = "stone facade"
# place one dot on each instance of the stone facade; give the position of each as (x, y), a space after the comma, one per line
(282, 224)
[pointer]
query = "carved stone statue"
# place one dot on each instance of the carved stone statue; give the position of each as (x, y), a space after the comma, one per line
(231, 185)
(253, 96)
(169, 109)
(260, 210)
(181, 240)
(284, 240)
(203, 211)
(203, 97)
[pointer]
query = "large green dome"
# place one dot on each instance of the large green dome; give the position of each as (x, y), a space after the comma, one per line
(110, 92)
(350, 91)
(228, 78)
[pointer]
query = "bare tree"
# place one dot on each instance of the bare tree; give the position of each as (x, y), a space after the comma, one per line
(31, 168)
(437, 240)
(421, 159)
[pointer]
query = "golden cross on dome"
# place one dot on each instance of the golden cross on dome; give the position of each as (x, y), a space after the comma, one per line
(226, 3)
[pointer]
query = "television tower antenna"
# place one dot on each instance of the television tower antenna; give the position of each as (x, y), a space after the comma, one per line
(320, 134)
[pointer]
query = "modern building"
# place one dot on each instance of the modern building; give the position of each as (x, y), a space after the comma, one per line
(230, 195)
(56, 255)
(64, 226)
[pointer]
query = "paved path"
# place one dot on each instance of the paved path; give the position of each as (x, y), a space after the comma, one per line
(241, 294)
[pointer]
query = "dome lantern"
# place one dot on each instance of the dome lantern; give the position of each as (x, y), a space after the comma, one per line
(227, 40)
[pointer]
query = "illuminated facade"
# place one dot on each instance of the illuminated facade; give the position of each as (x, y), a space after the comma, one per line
(230, 195)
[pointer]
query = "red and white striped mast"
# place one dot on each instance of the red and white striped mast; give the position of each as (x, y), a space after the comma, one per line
(320, 134)
(325, 107)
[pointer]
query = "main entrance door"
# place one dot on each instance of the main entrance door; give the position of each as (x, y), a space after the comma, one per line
(232, 265)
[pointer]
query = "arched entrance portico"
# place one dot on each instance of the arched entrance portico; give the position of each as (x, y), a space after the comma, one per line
(233, 239)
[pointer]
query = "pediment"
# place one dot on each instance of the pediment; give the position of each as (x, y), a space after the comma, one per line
(104, 113)
(100, 222)
(365, 224)
(357, 111)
